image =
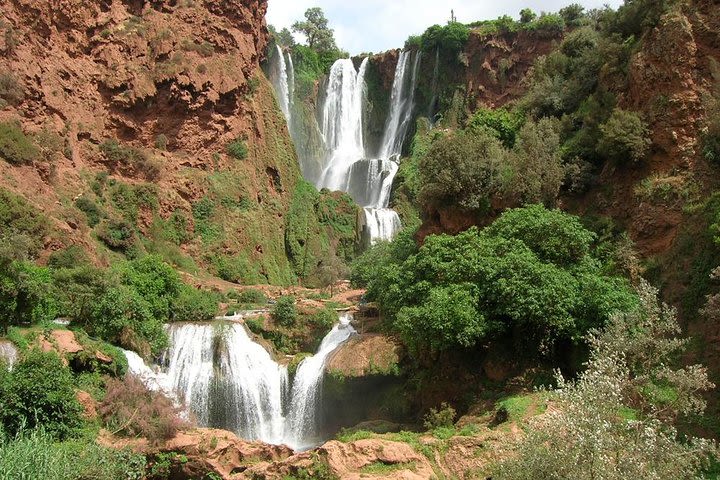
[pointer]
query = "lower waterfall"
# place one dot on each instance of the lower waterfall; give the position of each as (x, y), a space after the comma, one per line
(226, 380)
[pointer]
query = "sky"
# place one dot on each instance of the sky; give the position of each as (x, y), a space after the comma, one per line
(379, 25)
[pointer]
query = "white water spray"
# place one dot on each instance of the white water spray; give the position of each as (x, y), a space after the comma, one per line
(281, 83)
(227, 380)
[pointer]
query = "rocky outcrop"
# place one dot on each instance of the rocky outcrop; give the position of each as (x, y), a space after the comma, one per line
(367, 354)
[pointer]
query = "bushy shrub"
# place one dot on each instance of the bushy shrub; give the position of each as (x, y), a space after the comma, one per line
(532, 271)
(527, 16)
(69, 257)
(117, 153)
(284, 311)
(193, 304)
(324, 318)
(131, 409)
(573, 14)
(26, 294)
(252, 296)
(15, 146)
(237, 149)
(39, 393)
(464, 169)
(625, 137)
(536, 163)
(236, 269)
(502, 123)
(451, 38)
(17, 216)
(586, 434)
(117, 234)
(91, 209)
(444, 416)
(548, 24)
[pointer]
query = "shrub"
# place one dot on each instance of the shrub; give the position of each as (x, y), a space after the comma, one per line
(11, 91)
(527, 16)
(91, 210)
(117, 234)
(284, 311)
(193, 304)
(155, 280)
(442, 417)
(451, 37)
(464, 169)
(573, 14)
(69, 257)
(536, 163)
(123, 317)
(252, 296)
(35, 454)
(549, 24)
(502, 123)
(26, 294)
(625, 137)
(117, 153)
(131, 409)
(15, 147)
(39, 393)
(586, 434)
(161, 142)
(17, 216)
(324, 318)
(237, 149)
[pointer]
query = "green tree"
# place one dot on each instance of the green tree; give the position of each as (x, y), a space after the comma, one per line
(537, 163)
(527, 16)
(573, 14)
(284, 311)
(39, 393)
(285, 38)
(320, 37)
(465, 169)
(625, 137)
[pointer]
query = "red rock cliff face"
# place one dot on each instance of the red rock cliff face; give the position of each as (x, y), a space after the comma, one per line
(183, 73)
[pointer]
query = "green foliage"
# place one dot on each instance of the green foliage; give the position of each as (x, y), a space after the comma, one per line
(465, 169)
(192, 304)
(252, 296)
(548, 24)
(625, 137)
(502, 123)
(26, 294)
(18, 217)
(530, 271)
(35, 454)
(15, 147)
(117, 153)
(450, 38)
(236, 269)
(320, 37)
(324, 319)
(444, 416)
(39, 392)
(604, 423)
(536, 163)
(573, 14)
(284, 311)
(91, 209)
(527, 16)
(117, 234)
(238, 149)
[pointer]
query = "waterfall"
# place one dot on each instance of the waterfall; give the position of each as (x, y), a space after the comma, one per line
(341, 124)
(8, 353)
(291, 84)
(346, 165)
(227, 380)
(402, 104)
(280, 83)
(434, 99)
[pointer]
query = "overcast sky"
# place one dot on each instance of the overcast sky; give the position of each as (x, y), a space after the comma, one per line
(378, 25)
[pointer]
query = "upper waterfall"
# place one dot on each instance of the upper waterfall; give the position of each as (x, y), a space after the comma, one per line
(402, 104)
(227, 380)
(282, 83)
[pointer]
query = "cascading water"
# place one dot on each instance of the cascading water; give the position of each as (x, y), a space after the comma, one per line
(227, 380)
(347, 165)
(8, 353)
(433, 101)
(304, 399)
(281, 84)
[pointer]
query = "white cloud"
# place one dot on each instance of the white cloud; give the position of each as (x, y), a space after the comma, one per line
(378, 25)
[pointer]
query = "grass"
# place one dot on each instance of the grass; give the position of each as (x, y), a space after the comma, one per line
(380, 468)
